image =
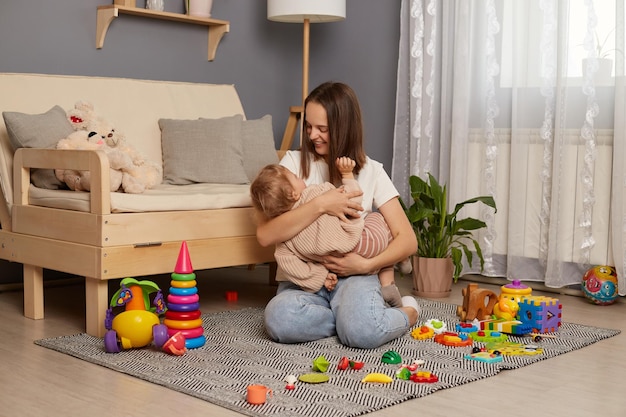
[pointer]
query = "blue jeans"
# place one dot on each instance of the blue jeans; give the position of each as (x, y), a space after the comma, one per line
(354, 311)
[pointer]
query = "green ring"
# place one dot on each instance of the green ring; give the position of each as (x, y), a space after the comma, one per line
(183, 277)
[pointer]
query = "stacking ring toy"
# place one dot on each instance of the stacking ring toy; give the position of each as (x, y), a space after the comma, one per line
(183, 307)
(196, 342)
(182, 324)
(182, 315)
(182, 299)
(183, 291)
(188, 333)
(183, 284)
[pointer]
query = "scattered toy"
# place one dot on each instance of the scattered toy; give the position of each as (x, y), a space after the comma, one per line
(477, 303)
(344, 363)
(391, 357)
(291, 382)
(438, 326)
(377, 377)
(487, 357)
(422, 333)
(466, 327)
(320, 364)
(424, 376)
(488, 336)
(316, 378)
(454, 339)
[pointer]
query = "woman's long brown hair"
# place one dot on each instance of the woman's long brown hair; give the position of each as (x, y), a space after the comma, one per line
(345, 127)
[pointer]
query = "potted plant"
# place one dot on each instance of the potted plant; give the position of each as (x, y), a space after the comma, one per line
(604, 58)
(442, 238)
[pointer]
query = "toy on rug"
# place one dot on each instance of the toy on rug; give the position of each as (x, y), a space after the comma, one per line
(183, 302)
(291, 382)
(139, 324)
(137, 172)
(506, 309)
(542, 314)
(477, 303)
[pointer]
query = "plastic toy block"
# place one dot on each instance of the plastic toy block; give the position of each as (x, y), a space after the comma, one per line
(488, 336)
(506, 326)
(466, 327)
(454, 339)
(422, 333)
(543, 314)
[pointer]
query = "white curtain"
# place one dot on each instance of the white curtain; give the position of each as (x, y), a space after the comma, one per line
(525, 101)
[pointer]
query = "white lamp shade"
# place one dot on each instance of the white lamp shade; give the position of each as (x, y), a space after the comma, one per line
(295, 11)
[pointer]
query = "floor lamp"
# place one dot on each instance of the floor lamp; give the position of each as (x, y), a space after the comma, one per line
(306, 12)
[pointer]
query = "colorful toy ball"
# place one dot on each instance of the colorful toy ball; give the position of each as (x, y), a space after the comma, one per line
(600, 285)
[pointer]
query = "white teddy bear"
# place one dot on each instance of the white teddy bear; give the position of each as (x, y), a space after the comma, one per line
(133, 173)
(81, 180)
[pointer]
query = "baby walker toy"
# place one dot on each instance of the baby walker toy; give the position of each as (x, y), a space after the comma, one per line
(138, 325)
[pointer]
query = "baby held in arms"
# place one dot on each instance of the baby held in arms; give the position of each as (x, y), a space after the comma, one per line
(277, 190)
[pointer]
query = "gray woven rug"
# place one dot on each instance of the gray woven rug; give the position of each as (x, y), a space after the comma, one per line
(239, 353)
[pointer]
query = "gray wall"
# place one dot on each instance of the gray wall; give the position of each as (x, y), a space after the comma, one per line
(262, 59)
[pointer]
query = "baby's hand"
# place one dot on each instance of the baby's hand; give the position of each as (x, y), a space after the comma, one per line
(331, 281)
(345, 165)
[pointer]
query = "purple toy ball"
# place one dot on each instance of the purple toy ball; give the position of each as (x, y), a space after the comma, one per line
(599, 285)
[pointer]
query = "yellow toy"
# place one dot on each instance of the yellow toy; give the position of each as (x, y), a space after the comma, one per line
(515, 291)
(377, 377)
(139, 324)
(422, 333)
(506, 308)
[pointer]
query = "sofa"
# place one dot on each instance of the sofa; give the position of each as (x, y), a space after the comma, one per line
(198, 132)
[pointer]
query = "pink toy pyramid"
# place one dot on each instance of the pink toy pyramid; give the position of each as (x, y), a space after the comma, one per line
(183, 303)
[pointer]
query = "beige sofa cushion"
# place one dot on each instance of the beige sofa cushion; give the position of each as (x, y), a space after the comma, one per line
(163, 197)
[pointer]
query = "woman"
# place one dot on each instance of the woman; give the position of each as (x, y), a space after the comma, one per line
(354, 310)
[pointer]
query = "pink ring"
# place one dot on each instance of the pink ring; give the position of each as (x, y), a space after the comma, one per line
(183, 299)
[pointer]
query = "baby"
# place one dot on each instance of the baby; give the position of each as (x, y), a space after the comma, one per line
(277, 190)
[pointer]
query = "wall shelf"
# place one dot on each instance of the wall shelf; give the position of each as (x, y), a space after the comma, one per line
(107, 13)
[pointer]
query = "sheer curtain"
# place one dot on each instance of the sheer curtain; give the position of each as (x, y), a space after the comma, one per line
(522, 100)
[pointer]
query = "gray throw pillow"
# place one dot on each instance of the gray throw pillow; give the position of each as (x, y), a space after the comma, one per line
(38, 131)
(259, 149)
(202, 151)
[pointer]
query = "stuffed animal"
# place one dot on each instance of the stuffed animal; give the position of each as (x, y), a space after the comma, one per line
(81, 180)
(137, 173)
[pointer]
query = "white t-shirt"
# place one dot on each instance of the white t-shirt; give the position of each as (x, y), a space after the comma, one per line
(373, 180)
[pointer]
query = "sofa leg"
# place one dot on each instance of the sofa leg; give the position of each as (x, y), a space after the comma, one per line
(97, 302)
(33, 292)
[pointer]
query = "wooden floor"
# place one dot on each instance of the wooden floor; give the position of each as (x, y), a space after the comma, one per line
(35, 381)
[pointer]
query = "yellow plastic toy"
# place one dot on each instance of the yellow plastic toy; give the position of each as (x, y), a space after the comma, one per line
(139, 324)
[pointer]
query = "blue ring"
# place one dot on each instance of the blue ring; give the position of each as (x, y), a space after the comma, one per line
(195, 342)
(183, 291)
(183, 307)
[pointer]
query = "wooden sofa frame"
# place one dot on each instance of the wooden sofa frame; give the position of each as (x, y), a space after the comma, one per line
(101, 245)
